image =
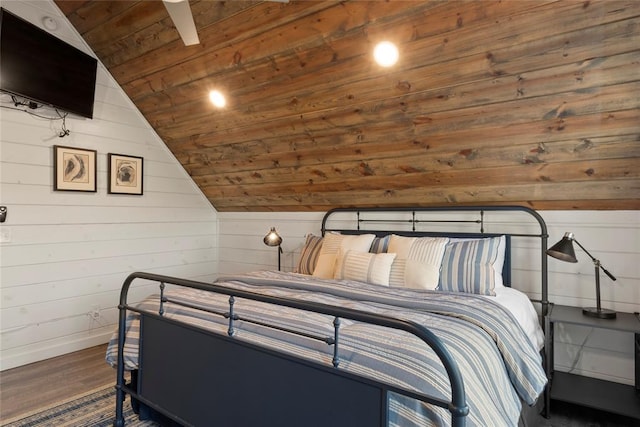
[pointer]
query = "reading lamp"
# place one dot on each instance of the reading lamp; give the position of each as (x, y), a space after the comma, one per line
(563, 250)
(273, 239)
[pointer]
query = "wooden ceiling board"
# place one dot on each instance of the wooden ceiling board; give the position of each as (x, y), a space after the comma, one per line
(508, 102)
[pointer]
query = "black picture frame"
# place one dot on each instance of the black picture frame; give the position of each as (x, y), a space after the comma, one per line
(74, 169)
(125, 174)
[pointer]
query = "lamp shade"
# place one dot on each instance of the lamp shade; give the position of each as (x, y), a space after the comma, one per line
(272, 238)
(563, 250)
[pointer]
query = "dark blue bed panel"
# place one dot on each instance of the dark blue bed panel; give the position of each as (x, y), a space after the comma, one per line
(311, 396)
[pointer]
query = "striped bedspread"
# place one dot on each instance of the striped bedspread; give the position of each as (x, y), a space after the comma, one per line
(499, 365)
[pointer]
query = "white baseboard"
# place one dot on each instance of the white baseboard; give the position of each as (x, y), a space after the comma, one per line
(24, 357)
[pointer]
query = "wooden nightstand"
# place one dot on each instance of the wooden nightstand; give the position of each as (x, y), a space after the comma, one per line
(591, 392)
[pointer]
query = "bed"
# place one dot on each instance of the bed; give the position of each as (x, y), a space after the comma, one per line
(390, 319)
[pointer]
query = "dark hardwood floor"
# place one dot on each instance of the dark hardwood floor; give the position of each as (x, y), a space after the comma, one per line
(40, 384)
(30, 387)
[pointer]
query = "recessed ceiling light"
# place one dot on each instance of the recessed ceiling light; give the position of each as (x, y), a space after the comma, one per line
(217, 98)
(386, 54)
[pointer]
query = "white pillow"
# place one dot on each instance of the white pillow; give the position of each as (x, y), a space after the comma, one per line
(364, 267)
(332, 243)
(417, 263)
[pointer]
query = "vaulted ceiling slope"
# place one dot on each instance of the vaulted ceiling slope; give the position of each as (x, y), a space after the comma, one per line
(512, 102)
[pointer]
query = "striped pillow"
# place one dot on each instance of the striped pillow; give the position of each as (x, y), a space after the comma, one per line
(417, 264)
(364, 267)
(380, 245)
(499, 264)
(333, 242)
(309, 255)
(468, 266)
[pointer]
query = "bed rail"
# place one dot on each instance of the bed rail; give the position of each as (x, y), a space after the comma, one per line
(457, 406)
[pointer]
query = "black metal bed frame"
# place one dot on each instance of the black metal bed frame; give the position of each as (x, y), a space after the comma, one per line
(223, 372)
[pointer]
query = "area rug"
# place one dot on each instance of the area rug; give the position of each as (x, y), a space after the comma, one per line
(95, 408)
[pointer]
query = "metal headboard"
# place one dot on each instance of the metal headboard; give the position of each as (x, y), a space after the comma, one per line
(411, 227)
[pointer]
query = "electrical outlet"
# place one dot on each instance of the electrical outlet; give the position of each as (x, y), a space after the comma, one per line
(95, 312)
(5, 235)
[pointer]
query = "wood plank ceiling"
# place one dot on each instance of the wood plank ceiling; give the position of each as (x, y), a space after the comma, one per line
(513, 102)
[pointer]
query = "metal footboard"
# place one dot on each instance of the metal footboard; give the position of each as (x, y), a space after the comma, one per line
(219, 344)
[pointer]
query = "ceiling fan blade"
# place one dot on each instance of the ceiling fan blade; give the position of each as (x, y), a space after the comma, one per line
(180, 13)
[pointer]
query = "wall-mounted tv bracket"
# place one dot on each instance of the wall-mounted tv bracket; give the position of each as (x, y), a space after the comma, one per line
(27, 103)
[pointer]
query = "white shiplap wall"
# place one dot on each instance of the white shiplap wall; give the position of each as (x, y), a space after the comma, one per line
(611, 236)
(69, 252)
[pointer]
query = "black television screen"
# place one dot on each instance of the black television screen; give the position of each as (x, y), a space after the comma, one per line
(37, 65)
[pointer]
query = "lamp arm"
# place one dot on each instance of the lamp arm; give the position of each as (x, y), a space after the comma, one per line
(611, 276)
(596, 261)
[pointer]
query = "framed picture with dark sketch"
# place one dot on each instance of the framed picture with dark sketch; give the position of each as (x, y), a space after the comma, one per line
(125, 174)
(74, 169)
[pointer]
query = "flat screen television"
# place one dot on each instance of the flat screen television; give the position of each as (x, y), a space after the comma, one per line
(44, 69)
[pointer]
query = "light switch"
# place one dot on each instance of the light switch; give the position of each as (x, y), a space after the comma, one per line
(5, 234)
